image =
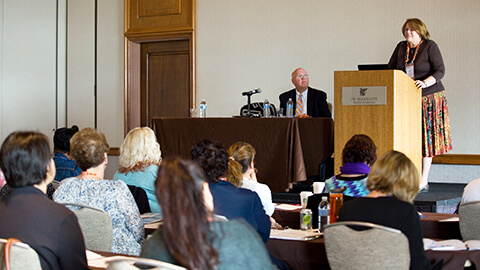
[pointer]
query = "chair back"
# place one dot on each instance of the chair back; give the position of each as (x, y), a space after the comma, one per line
(96, 226)
(141, 199)
(55, 184)
(363, 245)
(22, 256)
(469, 215)
(125, 263)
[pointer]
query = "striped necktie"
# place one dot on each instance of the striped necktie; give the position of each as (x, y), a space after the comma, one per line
(299, 110)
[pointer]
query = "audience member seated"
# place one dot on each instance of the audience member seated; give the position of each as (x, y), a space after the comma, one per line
(393, 184)
(242, 173)
(471, 192)
(140, 156)
(65, 166)
(358, 155)
(2, 179)
(307, 101)
(229, 201)
(189, 236)
(27, 214)
(89, 149)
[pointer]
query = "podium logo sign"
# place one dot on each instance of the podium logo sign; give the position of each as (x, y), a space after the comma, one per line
(364, 95)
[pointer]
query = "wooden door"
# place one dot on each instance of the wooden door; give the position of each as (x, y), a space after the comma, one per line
(165, 80)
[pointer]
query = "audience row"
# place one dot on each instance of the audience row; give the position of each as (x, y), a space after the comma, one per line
(194, 197)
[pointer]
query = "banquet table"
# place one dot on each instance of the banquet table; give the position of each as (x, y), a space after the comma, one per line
(288, 149)
(311, 254)
(433, 224)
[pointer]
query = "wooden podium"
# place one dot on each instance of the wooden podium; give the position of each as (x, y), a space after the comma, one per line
(396, 125)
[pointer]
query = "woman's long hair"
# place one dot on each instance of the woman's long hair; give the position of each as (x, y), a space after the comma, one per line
(241, 156)
(179, 190)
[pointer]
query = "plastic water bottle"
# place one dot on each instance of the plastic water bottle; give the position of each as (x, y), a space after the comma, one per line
(266, 108)
(203, 109)
(323, 214)
(289, 108)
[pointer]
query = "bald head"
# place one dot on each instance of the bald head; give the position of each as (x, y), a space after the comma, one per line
(300, 79)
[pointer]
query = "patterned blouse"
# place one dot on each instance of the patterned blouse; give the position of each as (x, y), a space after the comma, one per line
(113, 197)
(356, 186)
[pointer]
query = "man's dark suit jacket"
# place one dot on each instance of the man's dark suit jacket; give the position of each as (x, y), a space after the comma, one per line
(317, 105)
(233, 202)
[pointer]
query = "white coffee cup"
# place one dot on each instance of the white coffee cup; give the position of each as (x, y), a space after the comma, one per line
(318, 187)
(304, 198)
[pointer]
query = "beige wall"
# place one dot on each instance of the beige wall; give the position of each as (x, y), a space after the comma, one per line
(242, 45)
(47, 78)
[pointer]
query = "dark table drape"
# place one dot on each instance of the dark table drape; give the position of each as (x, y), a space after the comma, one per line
(288, 149)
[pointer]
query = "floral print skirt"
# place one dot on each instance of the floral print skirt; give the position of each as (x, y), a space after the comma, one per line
(436, 135)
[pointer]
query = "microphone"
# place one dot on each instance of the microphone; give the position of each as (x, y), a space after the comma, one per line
(254, 91)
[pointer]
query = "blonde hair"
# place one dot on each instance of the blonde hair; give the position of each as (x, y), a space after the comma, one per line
(139, 150)
(394, 174)
(418, 26)
(241, 156)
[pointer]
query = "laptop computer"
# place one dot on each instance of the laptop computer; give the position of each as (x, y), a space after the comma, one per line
(373, 67)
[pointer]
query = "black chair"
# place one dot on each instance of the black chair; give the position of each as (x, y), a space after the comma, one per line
(141, 199)
(256, 110)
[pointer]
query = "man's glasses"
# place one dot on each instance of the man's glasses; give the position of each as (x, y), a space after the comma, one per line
(301, 76)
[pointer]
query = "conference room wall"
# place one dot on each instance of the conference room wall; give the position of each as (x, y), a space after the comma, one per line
(48, 71)
(27, 45)
(242, 45)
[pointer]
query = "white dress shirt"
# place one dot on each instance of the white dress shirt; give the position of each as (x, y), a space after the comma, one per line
(263, 192)
(304, 100)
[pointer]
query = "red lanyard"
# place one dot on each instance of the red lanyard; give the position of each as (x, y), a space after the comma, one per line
(408, 51)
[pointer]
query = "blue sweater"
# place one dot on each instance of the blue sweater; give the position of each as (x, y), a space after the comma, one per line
(145, 180)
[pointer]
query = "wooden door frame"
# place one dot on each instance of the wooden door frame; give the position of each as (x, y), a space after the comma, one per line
(132, 104)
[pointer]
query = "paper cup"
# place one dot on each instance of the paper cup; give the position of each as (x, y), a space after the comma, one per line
(318, 187)
(304, 198)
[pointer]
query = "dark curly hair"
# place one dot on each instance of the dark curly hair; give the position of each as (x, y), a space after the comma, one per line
(61, 139)
(360, 148)
(212, 157)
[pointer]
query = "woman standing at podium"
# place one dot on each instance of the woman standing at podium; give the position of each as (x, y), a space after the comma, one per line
(420, 58)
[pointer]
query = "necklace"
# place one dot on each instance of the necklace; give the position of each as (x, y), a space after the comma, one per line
(414, 55)
(91, 174)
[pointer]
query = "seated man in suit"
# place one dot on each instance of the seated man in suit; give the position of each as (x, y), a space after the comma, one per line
(228, 200)
(315, 100)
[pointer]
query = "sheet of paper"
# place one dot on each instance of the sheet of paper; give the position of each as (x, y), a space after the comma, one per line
(291, 234)
(92, 255)
(450, 244)
(153, 226)
(285, 206)
(473, 244)
(103, 261)
(452, 219)
(151, 218)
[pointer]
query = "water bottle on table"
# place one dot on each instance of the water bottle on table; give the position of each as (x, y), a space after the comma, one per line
(323, 214)
(290, 108)
(266, 108)
(203, 109)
